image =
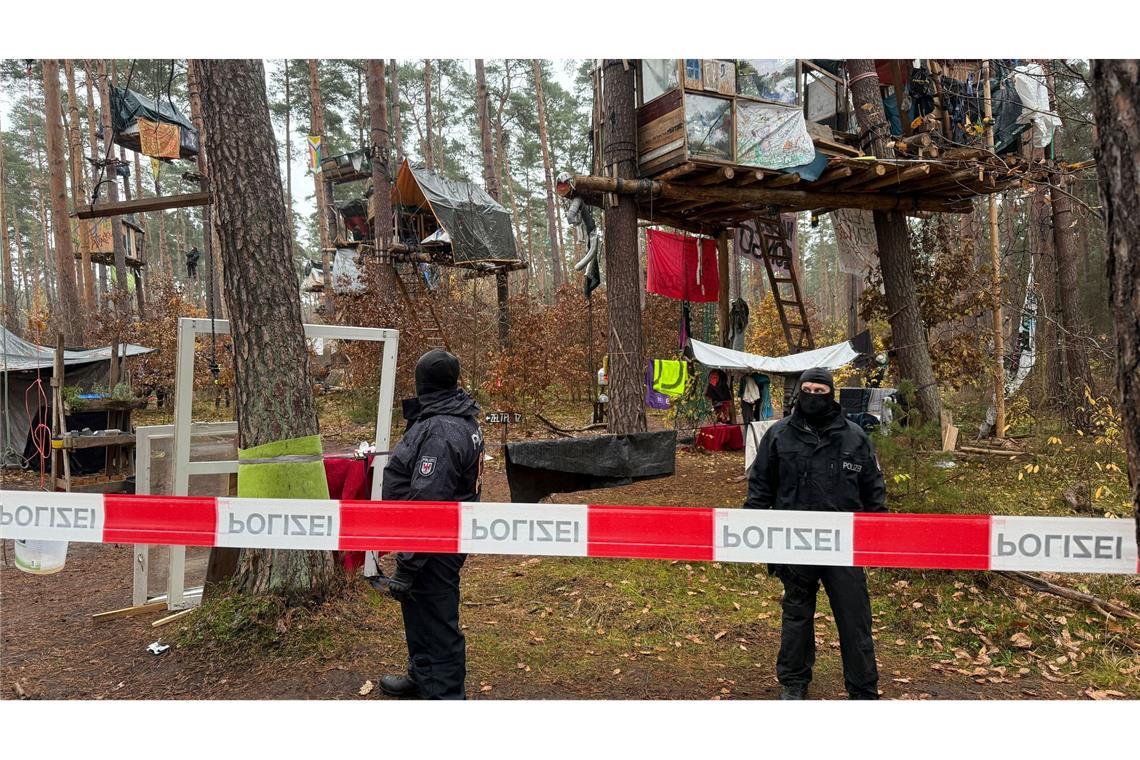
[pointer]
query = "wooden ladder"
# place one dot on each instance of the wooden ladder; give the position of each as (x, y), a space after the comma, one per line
(776, 250)
(433, 331)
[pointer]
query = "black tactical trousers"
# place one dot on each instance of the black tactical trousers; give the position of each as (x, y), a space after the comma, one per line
(847, 590)
(437, 652)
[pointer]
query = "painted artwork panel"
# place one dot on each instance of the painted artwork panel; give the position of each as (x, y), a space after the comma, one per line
(768, 79)
(708, 127)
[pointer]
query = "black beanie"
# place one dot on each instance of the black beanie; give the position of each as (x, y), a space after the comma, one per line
(437, 370)
(817, 375)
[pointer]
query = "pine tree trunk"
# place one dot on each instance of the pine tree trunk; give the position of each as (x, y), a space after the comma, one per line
(8, 316)
(93, 147)
(289, 159)
(908, 334)
(551, 214)
(271, 361)
(215, 299)
(79, 189)
(397, 127)
(1116, 105)
(1039, 237)
(378, 123)
(68, 292)
(491, 182)
(1074, 331)
(121, 299)
(623, 291)
(429, 156)
(317, 128)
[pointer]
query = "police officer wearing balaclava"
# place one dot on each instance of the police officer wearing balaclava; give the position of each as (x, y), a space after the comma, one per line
(816, 459)
(439, 458)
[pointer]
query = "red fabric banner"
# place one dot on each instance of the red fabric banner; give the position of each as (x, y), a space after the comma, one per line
(679, 269)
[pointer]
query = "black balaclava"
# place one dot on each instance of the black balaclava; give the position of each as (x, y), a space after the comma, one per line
(437, 370)
(817, 409)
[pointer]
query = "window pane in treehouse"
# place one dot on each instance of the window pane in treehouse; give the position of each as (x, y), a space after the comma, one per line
(708, 127)
(658, 76)
(693, 73)
(820, 97)
(769, 79)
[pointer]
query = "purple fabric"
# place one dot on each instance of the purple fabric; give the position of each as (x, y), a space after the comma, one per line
(654, 399)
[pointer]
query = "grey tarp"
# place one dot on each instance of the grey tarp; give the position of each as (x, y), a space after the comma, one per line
(128, 106)
(536, 469)
(20, 398)
(479, 227)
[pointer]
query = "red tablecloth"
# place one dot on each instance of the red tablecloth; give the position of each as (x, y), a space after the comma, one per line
(721, 438)
(349, 479)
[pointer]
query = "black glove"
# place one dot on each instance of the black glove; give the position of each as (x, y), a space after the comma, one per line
(399, 586)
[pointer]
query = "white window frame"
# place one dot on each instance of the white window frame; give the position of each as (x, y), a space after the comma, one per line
(191, 327)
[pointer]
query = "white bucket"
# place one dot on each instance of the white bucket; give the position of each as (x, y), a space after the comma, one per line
(40, 557)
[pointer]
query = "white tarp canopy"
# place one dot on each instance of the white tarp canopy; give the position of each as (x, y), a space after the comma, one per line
(830, 357)
(20, 355)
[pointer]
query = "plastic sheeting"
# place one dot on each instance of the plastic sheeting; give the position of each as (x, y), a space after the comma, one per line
(20, 355)
(127, 106)
(830, 357)
(536, 469)
(478, 225)
(1029, 82)
(345, 273)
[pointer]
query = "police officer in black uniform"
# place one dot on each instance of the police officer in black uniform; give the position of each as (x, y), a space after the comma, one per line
(439, 458)
(816, 459)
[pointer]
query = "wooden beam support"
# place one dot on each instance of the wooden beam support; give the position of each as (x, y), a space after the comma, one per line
(677, 171)
(714, 177)
(898, 177)
(783, 180)
(833, 174)
(142, 205)
(751, 177)
(798, 200)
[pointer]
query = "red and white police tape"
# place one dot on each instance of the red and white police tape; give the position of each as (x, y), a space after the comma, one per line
(950, 542)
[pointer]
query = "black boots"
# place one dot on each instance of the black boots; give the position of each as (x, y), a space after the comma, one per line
(399, 686)
(794, 692)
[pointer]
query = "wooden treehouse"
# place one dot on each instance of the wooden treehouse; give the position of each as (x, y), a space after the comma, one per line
(436, 221)
(724, 142)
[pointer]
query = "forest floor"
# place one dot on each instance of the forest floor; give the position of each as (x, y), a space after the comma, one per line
(552, 628)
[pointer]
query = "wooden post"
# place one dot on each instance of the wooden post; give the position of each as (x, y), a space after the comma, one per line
(995, 262)
(723, 295)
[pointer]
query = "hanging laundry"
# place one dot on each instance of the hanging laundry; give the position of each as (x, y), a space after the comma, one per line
(755, 397)
(719, 392)
(654, 399)
(670, 377)
(682, 267)
(737, 323)
(159, 139)
(686, 330)
(921, 91)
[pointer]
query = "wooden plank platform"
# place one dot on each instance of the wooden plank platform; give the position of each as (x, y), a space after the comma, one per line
(141, 205)
(706, 197)
(95, 441)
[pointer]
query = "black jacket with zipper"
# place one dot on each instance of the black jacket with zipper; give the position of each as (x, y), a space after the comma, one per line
(832, 470)
(439, 457)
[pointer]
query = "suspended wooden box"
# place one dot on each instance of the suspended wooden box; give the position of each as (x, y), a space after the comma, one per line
(717, 110)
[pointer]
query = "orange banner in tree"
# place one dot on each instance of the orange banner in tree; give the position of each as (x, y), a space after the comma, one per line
(158, 139)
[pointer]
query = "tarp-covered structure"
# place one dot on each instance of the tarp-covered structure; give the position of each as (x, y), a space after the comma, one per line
(829, 357)
(128, 106)
(21, 363)
(537, 469)
(478, 226)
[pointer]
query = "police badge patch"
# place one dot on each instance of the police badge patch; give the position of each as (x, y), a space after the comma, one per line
(427, 466)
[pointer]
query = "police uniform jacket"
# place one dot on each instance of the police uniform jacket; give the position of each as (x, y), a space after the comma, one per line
(832, 470)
